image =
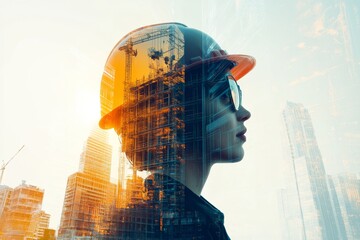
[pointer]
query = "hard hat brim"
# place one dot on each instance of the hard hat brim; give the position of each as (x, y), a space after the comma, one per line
(243, 64)
(107, 121)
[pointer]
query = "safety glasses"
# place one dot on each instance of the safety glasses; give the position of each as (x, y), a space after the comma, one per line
(236, 94)
(228, 91)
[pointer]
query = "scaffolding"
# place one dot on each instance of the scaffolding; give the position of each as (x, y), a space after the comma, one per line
(152, 123)
(152, 133)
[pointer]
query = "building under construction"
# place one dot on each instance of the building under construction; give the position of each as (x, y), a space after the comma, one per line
(22, 217)
(154, 123)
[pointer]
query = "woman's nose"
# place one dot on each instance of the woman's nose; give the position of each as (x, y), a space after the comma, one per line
(242, 114)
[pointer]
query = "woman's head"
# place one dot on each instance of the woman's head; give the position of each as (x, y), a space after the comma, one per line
(160, 92)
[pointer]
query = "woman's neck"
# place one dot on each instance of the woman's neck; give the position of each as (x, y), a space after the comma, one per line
(195, 176)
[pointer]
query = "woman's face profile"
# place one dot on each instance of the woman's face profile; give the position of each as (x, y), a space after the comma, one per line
(226, 131)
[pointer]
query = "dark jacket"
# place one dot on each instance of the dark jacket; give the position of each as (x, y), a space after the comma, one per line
(169, 210)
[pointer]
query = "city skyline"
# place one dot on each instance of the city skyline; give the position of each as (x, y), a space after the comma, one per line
(98, 139)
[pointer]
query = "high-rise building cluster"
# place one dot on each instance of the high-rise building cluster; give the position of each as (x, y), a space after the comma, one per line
(315, 205)
(21, 216)
(93, 206)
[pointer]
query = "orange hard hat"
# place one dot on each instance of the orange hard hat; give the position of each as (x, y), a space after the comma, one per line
(164, 49)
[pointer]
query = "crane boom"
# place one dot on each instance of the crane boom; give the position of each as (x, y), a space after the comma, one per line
(2, 168)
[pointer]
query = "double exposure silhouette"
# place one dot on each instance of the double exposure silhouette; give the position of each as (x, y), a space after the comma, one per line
(171, 94)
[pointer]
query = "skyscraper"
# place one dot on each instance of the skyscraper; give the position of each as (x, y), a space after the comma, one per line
(309, 195)
(89, 194)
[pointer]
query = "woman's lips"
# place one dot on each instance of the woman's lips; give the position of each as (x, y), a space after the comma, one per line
(241, 135)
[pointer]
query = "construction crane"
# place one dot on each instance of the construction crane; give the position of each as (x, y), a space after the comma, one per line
(3, 166)
(131, 52)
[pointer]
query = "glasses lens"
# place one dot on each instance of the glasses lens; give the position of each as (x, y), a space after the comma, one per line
(235, 93)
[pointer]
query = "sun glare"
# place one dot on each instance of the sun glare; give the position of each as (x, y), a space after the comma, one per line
(87, 107)
(114, 142)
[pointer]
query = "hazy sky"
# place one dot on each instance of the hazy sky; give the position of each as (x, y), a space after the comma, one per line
(52, 54)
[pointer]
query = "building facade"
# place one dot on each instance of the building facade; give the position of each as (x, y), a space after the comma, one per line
(5, 194)
(23, 218)
(39, 222)
(306, 204)
(345, 190)
(89, 194)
